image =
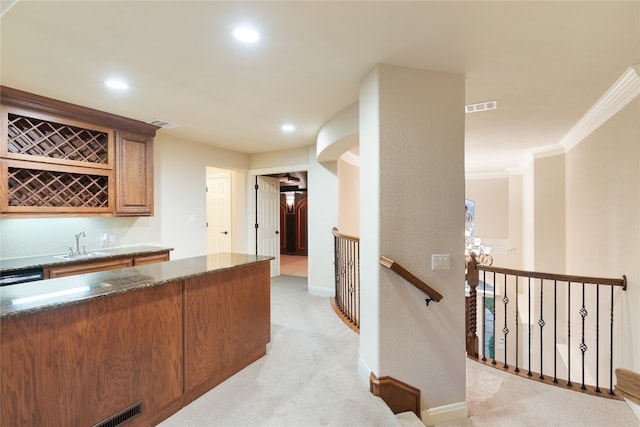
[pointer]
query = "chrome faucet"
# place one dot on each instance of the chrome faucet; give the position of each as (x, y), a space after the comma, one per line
(77, 236)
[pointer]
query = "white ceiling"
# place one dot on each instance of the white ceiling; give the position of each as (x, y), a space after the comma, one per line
(546, 63)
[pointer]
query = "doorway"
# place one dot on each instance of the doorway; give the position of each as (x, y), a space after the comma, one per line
(268, 220)
(218, 210)
(281, 221)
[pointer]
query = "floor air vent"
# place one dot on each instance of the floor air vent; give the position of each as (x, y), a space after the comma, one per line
(122, 417)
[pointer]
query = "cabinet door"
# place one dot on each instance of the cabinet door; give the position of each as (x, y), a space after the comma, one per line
(87, 267)
(134, 175)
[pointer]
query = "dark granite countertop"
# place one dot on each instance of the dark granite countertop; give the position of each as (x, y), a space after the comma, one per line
(26, 298)
(11, 264)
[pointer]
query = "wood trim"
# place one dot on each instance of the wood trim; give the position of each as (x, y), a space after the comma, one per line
(344, 236)
(406, 275)
(301, 227)
(559, 277)
(399, 396)
(342, 317)
(628, 385)
(63, 121)
(134, 175)
(29, 101)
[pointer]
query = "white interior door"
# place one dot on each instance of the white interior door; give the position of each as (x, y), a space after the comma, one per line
(219, 213)
(268, 212)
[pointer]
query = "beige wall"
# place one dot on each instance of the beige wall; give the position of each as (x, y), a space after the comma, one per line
(180, 169)
(549, 214)
(491, 197)
(349, 198)
(279, 159)
(603, 216)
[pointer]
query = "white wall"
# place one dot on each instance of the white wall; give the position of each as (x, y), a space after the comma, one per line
(45, 236)
(323, 216)
(411, 186)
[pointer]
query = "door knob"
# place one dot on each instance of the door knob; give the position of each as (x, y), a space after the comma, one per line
(277, 232)
(224, 232)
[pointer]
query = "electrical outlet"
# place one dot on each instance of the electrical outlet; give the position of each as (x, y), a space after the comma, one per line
(440, 262)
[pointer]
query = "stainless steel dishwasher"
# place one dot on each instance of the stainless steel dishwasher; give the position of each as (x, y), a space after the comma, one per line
(13, 277)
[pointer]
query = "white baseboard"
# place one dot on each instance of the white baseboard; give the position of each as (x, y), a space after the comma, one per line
(444, 414)
(634, 407)
(363, 371)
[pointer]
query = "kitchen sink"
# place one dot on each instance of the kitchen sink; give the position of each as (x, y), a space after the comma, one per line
(88, 255)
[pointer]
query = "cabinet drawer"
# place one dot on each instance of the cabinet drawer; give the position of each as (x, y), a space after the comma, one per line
(88, 267)
(150, 259)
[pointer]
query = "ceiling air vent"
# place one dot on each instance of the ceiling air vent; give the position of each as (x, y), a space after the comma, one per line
(483, 106)
(162, 124)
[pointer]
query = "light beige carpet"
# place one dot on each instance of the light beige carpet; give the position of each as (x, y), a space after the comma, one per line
(498, 398)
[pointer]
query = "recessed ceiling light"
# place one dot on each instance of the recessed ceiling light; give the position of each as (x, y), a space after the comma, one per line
(117, 84)
(287, 127)
(246, 34)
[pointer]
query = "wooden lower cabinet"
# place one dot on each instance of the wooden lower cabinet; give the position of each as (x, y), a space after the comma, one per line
(159, 347)
(227, 325)
(79, 365)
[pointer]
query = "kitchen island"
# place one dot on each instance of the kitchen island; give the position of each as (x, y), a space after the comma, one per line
(136, 343)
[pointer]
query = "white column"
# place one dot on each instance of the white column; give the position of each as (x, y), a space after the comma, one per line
(412, 206)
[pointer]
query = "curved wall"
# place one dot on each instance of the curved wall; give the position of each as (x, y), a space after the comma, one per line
(338, 135)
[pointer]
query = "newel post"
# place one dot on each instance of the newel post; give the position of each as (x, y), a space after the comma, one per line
(471, 307)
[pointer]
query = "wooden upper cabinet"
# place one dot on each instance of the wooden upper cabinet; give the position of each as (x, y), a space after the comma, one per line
(134, 174)
(61, 159)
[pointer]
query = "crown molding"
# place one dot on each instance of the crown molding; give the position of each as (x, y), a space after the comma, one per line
(621, 93)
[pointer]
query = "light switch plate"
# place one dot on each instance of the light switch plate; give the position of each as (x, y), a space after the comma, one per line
(440, 262)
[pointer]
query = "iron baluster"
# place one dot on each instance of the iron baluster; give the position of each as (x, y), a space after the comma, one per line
(493, 362)
(583, 346)
(484, 317)
(569, 335)
(555, 331)
(597, 389)
(505, 329)
(529, 326)
(611, 392)
(517, 329)
(541, 323)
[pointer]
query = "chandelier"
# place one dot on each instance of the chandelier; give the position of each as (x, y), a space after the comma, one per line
(474, 244)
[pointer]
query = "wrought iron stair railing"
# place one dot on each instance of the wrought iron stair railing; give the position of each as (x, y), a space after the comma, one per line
(555, 328)
(346, 303)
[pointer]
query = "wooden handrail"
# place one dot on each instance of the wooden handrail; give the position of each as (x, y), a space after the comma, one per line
(337, 233)
(558, 277)
(406, 275)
